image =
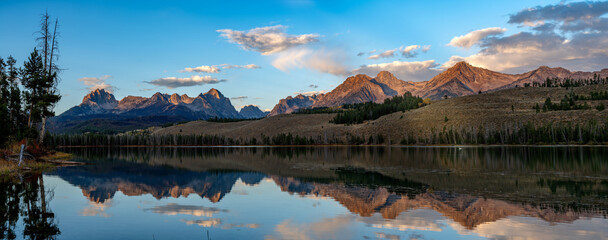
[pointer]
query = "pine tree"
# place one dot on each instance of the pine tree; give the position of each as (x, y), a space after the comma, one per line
(14, 103)
(4, 111)
(39, 95)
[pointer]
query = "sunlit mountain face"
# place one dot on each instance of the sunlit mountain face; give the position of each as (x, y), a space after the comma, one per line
(382, 192)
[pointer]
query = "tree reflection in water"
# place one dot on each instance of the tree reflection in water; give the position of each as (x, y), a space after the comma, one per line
(25, 203)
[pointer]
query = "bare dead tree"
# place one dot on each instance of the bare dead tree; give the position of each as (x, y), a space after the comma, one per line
(49, 44)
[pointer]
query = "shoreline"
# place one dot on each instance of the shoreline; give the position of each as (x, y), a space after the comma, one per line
(10, 168)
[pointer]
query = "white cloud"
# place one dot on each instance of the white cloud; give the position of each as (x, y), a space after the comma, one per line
(534, 228)
(310, 93)
(572, 16)
(408, 71)
(406, 52)
(328, 228)
(453, 60)
(212, 222)
(409, 51)
(243, 192)
(267, 40)
(525, 51)
(205, 69)
(97, 209)
(385, 54)
(331, 62)
(98, 83)
(474, 37)
(239, 98)
(217, 69)
(426, 48)
(173, 82)
(248, 66)
(172, 209)
(572, 35)
(288, 51)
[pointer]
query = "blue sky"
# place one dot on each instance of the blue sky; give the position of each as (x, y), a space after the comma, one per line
(142, 47)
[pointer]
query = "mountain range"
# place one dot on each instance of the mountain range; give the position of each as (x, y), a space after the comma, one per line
(100, 109)
(460, 80)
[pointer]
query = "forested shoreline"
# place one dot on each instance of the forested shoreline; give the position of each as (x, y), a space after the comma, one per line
(568, 133)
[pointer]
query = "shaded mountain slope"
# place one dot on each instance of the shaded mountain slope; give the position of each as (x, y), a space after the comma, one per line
(134, 112)
(251, 111)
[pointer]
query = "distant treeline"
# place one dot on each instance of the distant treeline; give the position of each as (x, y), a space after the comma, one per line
(317, 110)
(95, 139)
(357, 113)
(551, 133)
(569, 82)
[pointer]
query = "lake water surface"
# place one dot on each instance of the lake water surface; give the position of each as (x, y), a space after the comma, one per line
(314, 193)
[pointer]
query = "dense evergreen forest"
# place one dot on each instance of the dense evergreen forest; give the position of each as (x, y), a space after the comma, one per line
(29, 93)
(357, 113)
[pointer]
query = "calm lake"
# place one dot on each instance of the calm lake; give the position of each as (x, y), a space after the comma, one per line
(314, 193)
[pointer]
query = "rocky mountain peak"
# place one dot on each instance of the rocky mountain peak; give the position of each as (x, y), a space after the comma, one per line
(175, 98)
(159, 97)
(186, 99)
(462, 68)
(100, 98)
(358, 78)
(385, 75)
(462, 64)
(215, 93)
(291, 104)
(252, 111)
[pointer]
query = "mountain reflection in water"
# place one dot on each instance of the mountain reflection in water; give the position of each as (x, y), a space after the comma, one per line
(470, 188)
